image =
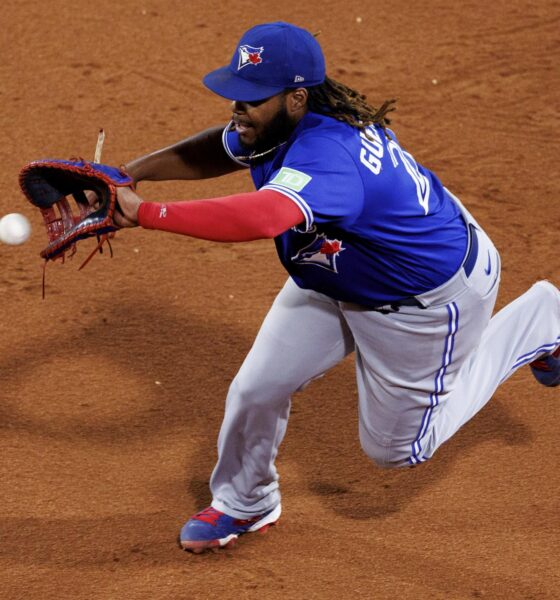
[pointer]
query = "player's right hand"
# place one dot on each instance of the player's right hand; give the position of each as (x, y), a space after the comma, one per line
(128, 203)
(92, 198)
(126, 213)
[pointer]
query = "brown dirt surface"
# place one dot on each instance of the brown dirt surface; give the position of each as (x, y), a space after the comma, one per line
(101, 464)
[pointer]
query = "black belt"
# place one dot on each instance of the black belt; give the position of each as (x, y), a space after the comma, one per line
(468, 266)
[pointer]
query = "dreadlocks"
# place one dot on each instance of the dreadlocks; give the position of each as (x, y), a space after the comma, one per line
(345, 104)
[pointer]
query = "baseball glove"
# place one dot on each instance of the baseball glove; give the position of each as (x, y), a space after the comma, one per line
(49, 184)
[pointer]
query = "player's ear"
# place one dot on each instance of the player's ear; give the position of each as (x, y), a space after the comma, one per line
(297, 100)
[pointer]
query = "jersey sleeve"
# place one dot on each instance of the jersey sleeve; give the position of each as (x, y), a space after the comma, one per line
(232, 146)
(321, 177)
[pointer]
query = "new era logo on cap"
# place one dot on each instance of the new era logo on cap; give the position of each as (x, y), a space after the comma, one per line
(249, 56)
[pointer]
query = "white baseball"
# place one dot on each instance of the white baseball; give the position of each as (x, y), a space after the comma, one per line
(15, 229)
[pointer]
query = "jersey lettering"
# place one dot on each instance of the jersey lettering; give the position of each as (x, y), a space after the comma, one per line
(372, 150)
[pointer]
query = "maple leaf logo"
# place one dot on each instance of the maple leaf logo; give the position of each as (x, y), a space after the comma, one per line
(248, 55)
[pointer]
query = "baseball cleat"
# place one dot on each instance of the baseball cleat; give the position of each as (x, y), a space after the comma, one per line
(547, 369)
(211, 528)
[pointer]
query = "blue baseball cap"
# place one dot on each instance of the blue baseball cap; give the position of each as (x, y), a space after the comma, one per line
(268, 59)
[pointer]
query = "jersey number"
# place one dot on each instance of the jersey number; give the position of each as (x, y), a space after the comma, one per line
(421, 181)
(372, 152)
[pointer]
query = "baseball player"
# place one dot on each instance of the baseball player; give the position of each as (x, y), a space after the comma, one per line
(383, 261)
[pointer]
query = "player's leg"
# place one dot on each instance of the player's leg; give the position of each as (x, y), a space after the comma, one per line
(443, 363)
(302, 336)
(407, 361)
(406, 367)
(522, 331)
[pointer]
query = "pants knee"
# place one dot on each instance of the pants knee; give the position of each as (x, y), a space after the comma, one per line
(383, 453)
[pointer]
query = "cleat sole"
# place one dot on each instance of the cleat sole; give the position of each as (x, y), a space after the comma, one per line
(266, 527)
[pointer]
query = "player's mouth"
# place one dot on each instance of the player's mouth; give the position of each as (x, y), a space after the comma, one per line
(241, 126)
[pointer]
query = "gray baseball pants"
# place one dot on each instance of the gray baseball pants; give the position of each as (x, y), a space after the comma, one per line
(421, 372)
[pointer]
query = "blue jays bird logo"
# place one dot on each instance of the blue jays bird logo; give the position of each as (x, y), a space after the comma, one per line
(321, 252)
(249, 56)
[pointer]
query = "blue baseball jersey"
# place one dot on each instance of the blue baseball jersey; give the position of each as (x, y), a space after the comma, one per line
(378, 226)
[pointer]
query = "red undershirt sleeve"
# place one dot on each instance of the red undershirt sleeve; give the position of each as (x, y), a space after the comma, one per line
(237, 218)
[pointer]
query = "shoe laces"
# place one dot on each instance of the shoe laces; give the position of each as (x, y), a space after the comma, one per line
(208, 515)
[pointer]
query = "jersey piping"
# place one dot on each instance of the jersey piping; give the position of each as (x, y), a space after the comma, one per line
(295, 197)
(228, 149)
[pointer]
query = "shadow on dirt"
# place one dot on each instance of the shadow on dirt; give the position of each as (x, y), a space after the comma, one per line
(197, 361)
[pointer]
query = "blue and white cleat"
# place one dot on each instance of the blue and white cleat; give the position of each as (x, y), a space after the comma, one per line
(547, 369)
(211, 528)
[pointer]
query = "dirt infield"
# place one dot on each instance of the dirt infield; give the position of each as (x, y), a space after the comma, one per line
(113, 387)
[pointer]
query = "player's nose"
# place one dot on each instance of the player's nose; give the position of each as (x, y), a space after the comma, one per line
(237, 106)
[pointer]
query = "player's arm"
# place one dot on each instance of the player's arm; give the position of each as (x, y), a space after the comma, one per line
(197, 157)
(237, 218)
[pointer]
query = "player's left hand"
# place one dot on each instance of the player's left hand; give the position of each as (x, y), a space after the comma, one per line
(128, 201)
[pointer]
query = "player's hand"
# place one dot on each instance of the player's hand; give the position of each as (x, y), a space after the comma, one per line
(92, 198)
(128, 202)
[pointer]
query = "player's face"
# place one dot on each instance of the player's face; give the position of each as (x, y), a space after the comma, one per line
(263, 124)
